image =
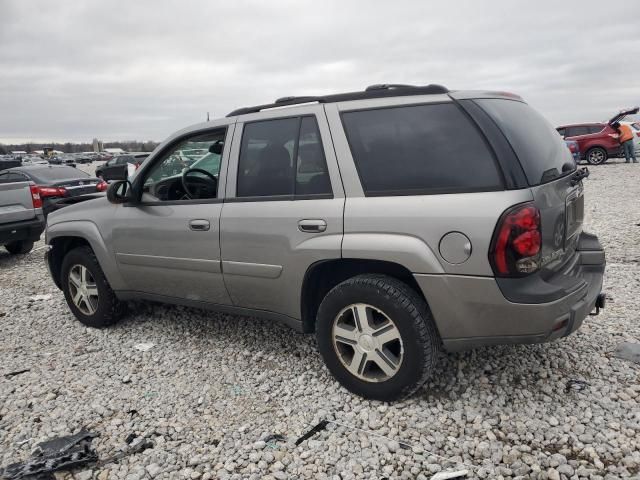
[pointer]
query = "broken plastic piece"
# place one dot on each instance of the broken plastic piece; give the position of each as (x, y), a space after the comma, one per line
(18, 372)
(318, 428)
(144, 347)
(447, 475)
(628, 351)
(61, 453)
(577, 385)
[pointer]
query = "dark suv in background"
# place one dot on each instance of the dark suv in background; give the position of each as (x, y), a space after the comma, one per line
(595, 140)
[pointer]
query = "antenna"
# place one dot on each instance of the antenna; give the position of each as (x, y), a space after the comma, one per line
(207, 116)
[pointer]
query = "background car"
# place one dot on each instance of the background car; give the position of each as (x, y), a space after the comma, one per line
(595, 140)
(102, 171)
(57, 182)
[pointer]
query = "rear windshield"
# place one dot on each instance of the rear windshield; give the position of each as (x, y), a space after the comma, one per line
(419, 149)
(49, 174)
(542, 152)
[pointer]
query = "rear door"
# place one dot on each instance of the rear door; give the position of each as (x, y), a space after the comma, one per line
(548, 166)
(283, 207)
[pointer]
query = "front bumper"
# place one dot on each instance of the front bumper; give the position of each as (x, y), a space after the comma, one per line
(475, 311)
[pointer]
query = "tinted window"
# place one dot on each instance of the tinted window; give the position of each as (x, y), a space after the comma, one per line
(311, 172)
(419, 149)
(48, 174)
(595, 128)
(12, 177)
(562, 132)
(542, 153)
(282, 157)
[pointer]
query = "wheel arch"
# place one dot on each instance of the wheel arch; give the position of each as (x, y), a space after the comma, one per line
(322, 276)
(65, 236)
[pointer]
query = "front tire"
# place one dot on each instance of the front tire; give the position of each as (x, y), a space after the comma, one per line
(596, 156)
(87, 291)
(20, 247)
(377, 337)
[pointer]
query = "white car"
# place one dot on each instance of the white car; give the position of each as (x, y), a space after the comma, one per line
(635, 126)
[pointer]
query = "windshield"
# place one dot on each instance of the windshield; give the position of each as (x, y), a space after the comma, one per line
(541, 150)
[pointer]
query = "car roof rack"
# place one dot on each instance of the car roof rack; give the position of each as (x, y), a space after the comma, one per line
(373, 91)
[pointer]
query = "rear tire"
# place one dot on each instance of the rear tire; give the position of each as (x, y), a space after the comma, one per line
(597, 156)
(20, 247)
(87, 291)
(392, 353)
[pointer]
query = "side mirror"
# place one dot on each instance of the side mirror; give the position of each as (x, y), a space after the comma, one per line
(120, 192)
(216, 148)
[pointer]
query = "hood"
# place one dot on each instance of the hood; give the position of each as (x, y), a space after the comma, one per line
(89, 210)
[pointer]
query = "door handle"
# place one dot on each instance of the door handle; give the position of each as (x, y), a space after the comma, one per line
(312, 226)
(199, 225)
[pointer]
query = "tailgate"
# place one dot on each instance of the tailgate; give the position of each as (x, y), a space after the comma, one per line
(562, 213)
(16, 203)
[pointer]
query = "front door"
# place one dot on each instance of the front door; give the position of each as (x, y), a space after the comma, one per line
(283, 208)
(168, 244)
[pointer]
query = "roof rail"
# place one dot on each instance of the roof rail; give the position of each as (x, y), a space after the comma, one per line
(372, 91)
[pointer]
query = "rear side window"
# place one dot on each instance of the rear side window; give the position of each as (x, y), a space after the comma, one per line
(541, 151)
(595, 129)
(282, 157)
(420, 149)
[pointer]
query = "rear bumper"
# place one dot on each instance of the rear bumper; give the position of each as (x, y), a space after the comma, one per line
(17, 231)
(475, 311)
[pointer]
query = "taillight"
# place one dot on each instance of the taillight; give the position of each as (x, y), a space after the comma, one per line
(573, 148)
(35, 196)
(517, 241)
(52, 191)
(102, 186)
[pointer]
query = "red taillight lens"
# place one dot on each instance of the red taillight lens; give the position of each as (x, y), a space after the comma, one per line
(52, 191)
(517, 242)
(573, 148)
(102, 186)
(35, 196)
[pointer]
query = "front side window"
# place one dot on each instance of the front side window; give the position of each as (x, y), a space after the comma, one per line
(419, 149)
(187, 171)
(282, 157)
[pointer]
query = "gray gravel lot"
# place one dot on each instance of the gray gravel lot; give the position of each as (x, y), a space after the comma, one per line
(214, 387)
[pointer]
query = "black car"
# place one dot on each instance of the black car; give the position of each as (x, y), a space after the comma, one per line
(58, 185)
(105, 171)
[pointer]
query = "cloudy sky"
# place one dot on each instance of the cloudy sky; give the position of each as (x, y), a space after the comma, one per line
(74, 70)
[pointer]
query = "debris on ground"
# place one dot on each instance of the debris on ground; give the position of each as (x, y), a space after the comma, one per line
(576, 385)
(628, 351)
(17, 372)
(35, 298)
(144, 347)
(61, 453)
(318, 428)
(447, 475)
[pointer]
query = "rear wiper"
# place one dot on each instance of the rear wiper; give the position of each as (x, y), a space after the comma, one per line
(580, 174)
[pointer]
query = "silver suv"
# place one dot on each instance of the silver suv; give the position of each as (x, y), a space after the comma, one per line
(391, 222)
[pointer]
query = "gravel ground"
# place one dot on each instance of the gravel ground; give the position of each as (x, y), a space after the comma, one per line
(214, 387)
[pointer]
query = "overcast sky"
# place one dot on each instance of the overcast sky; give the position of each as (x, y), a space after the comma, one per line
(74, 70)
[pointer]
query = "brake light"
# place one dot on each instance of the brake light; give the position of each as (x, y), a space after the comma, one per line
(515, 249)
(52, 191)
(35, 196)
(102, 186)
(573, 148)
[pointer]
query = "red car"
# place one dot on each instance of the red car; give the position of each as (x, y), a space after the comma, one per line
(594, 139)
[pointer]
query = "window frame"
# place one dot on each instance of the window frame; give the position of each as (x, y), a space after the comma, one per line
(289, 197)
(161, 155)
(425, 191)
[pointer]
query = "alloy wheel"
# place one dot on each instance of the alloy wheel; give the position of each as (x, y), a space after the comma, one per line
(83, 289)
(367, 342)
